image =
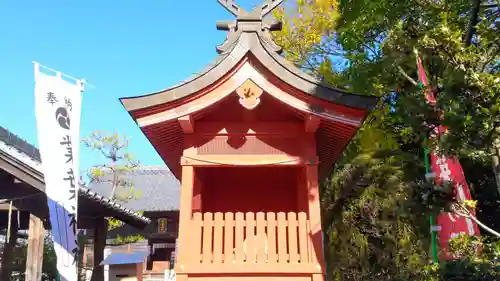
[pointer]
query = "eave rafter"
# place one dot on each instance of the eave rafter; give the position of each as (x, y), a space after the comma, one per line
(311, 124)
(247, 72)
(187, 124)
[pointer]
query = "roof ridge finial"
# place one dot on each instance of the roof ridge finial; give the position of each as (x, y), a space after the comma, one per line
(236, 10)
(252, 21)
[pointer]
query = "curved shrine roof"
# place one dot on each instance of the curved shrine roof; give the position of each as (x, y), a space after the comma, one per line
(250, 43)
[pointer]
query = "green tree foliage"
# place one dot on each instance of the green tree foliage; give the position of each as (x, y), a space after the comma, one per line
(373, 43)
(49, 270)
(475, 260)
(377, 203)
(117, 161)
(375, 210)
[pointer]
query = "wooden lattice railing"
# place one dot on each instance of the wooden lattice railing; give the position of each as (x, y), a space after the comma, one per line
(262, 238)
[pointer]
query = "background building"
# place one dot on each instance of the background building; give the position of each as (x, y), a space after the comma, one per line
(157, 194)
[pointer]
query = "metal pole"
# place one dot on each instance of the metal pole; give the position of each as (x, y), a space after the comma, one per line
(431, 218)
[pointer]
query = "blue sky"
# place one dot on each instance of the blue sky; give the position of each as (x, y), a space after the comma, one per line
(124, 48)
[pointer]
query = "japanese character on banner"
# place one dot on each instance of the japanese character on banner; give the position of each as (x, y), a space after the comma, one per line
(71, 179)
(69, 148)
(68, 103)
(72, 223)
(75, 252)
(51, 98)
(63, 119)
(449, 170)
(445, 172)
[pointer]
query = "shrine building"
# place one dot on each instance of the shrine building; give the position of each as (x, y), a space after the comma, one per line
(249, 138)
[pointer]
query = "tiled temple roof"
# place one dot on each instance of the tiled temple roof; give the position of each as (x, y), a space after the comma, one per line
(16, 148)
(158, 188)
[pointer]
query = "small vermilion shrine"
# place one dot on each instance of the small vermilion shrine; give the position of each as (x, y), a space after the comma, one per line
(249, 138)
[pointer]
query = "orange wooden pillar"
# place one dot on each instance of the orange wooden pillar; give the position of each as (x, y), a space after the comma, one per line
(139, 268)
(186, 201)
(315, 231)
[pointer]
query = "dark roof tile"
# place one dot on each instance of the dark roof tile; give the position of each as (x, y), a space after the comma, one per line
(13, 140)
(158, 188)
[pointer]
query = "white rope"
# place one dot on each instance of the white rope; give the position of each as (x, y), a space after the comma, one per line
(9, 222)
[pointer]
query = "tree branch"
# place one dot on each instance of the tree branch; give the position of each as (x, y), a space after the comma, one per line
(467, 213)
(487, 6)
(411, 80)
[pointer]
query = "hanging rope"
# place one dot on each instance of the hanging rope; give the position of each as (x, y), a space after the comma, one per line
(9, 219)
(9, 222)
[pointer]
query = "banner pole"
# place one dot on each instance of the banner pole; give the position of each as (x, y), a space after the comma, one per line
(60, 74)
(58, 113)
(431, 218)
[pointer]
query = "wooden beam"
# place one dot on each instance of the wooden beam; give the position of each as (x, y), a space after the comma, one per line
(20, 235)
(21, 171)
(249, 128)
(187, 124)
(8, 249)
(6, 206)
(100, 233)
(34, 260)
(5, 178)
(244, 160)
(34, 203)
(22, 221)
(312, 124)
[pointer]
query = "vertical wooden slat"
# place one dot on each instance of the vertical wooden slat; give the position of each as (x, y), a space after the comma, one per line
(218, 224)
(197, 238)
(228, 238)
(292, 237)
(207, 237)
(271, 238)
(250, 237)
(309, 242)
(260, 238)
(303, 237)
(238, 238)
(282, 249)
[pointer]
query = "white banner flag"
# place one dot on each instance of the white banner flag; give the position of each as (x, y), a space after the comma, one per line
(57, 110)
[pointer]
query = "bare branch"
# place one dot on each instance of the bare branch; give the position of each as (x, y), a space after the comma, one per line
(468, 214)
(402, 72)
